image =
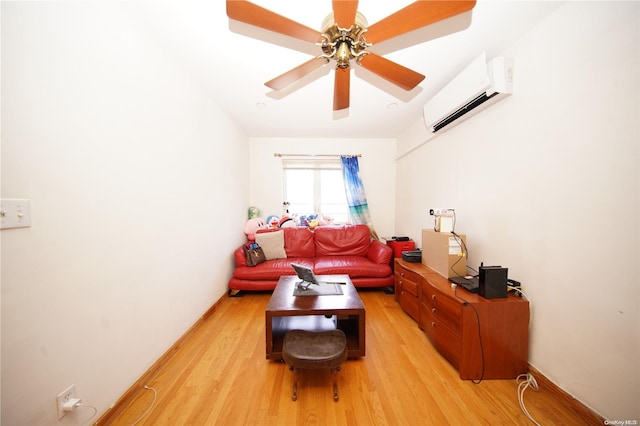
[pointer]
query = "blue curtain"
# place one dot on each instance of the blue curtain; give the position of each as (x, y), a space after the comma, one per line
(356, 198)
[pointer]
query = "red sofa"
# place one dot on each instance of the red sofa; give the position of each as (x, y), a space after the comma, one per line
(345, 249)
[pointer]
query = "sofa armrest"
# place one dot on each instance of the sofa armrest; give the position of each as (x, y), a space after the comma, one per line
(379, 253)
(240, 256)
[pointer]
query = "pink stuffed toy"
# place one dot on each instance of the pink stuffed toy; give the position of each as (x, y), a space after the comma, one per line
(252, 227)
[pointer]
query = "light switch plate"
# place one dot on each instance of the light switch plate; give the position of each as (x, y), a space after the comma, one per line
(15, 213)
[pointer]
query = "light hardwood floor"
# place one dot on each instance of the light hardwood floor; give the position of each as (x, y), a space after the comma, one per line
(220, 377)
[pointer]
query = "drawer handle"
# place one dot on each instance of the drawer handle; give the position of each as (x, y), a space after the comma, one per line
(402, 274)
(433, 297)
(433, 310)
(433, 324)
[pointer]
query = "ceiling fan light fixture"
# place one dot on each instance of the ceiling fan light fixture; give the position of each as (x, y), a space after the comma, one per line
(329, 22)
(343, 55)
(343, 44)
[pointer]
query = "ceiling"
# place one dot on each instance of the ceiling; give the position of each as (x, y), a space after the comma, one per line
(233, 60)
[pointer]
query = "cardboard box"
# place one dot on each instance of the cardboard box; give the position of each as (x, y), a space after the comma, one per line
(444, 252)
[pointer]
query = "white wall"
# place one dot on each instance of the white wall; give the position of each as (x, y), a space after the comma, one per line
(138, 191)
(546, 183)
(377, 171)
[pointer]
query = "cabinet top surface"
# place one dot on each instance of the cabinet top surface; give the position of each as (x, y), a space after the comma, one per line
(445, 286)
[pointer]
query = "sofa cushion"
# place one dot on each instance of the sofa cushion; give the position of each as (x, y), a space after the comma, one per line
(354, 266)
(272, 244)
(271, 269)
(299, 242)
(344, 240)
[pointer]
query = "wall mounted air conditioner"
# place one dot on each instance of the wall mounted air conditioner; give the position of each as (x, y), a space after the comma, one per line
(479, 85)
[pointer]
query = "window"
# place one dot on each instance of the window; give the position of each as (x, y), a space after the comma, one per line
(315, 186)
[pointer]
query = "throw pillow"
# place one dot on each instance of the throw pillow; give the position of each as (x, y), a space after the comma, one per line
(272, 244)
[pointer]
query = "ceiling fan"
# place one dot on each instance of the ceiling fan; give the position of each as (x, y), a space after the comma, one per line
(346, 37)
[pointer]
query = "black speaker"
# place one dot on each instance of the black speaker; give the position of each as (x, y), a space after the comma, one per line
(492, 282)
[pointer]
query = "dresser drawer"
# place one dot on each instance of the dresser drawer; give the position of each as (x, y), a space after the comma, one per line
(443, 307)
(443, 338)
(408, 291)
(407, 285)
(409, 303)
(405, 274)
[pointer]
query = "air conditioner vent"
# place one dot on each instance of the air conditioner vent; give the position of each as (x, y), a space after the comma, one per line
(481, 83)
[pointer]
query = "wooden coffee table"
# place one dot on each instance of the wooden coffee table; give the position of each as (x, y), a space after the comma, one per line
(324, 312)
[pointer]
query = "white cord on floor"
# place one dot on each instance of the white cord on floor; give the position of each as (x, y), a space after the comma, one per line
(525, 381)
(155, 396)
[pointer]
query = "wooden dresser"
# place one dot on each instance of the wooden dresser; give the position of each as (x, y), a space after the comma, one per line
(482, 338)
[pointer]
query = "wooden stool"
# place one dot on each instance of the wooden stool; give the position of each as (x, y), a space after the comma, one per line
(310, 350)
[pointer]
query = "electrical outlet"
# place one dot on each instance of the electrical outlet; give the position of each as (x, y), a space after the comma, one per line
(65, 396)
(15, 213)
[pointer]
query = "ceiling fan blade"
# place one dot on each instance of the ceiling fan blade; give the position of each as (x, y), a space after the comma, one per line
(344, 12)
(341, 89)
(391, 71)
(252, 14)
(416, 15)
(296, 73)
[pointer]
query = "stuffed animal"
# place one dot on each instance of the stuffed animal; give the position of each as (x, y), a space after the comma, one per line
(286, 222)
(254, 212)
(325, 220)
(252, 226)
(273, 220)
